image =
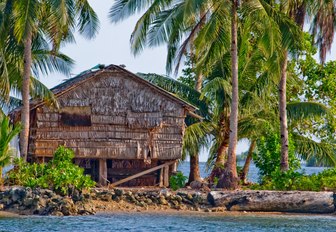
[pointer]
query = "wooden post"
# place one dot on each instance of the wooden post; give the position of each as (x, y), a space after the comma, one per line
(161, 178)
(166, 176)
(102, 172)
(174, 166)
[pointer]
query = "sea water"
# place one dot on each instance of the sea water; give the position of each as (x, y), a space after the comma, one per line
(252, 176)
(170, 222)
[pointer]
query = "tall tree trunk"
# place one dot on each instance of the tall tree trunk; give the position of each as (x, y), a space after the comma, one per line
(284, 166)
(194, 160)
(194, 168)
(25, 95)
(243, 174)
(222, 153)
(199, 81)
(229, 178)
(220, 160)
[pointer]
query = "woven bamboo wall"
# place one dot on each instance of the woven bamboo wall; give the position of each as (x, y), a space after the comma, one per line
(111, 116)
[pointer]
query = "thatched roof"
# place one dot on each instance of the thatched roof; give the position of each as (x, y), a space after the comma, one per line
(87, 75)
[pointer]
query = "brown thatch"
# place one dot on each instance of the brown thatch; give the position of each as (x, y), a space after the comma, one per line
(110, 114)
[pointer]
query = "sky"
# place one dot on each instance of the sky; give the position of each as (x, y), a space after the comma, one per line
(112, 46)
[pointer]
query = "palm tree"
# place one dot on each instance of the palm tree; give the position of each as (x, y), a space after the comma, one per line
(167, 21)
(44, 61)
(257, 125)
(56, 21)
(321, 16)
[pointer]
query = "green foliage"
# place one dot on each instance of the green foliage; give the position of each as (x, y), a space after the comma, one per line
(215, 181)
(188, 73)
(60, 174)
(177, 181)
(7, 133)
(292, 180)
(267, 159)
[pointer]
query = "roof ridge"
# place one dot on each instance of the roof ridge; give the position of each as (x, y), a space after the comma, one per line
(86, 74)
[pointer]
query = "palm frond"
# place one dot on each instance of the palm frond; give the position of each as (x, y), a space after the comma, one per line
(39, 90)
(307, 148)
(303, 110)
(88, 21)
(195, 137)
(46, 62)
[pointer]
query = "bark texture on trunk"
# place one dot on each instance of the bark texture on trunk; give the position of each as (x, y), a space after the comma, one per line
(194, 160)
(24, 135)
(194, 169)
(220, 161)
(222, 153)
(274, 201)
(229, 177)
(199, 81)
(243, 175)
(284, 166)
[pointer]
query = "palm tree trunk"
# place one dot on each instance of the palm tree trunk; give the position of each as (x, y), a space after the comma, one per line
(221, 154)
(194, 160)
(194, 168)
(284, 166)
(199, 81)
(229, 178)
(220, 161)
(243, 175)
(25, 95)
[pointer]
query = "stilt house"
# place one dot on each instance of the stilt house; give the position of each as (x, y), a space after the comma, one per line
(117, 123)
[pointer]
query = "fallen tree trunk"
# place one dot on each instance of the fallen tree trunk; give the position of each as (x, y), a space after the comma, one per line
(276, 201)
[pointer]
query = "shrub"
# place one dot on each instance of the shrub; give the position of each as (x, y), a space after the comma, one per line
(60, 174)
(268, 157)
(292, 180)
(177, 181)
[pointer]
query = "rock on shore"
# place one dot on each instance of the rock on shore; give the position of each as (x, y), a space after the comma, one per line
(135, 199)
(23, 200)
(46, 202)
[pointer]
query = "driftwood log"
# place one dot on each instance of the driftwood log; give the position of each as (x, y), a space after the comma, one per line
(276, 201)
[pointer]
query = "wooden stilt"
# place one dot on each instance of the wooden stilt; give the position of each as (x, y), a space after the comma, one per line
(161, 178)
(166, 176)
(102, 172)
(174, 167)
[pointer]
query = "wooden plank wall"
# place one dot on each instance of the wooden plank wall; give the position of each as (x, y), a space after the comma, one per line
(128, 119)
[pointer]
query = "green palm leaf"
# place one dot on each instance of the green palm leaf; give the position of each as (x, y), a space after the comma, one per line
(307, 148)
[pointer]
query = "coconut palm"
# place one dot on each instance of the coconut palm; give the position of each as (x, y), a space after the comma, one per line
(321, 16)
(54, 20)
(253, 124)
(44, 61)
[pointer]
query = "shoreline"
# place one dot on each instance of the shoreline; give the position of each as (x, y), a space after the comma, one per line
(24, 201)
(12, 214)
(215, 214)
